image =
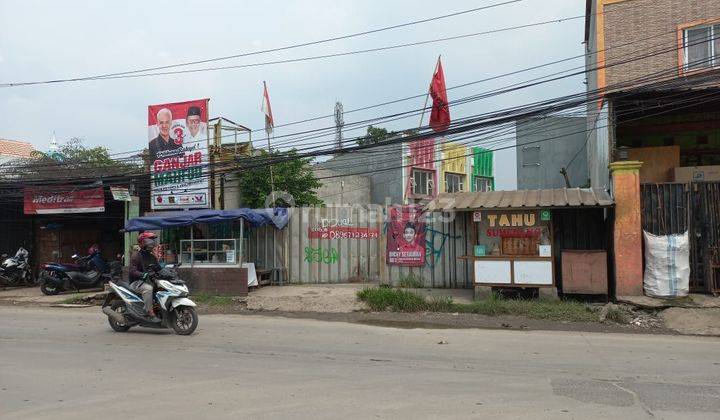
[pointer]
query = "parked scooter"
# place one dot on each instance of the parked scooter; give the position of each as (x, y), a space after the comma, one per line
(16, 271)
(82, 274)
(124, 308)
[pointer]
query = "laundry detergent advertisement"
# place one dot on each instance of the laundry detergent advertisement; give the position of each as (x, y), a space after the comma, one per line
(178, 148)
(406, 236)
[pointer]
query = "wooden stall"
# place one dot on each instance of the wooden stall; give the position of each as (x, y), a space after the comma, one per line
(511, 233)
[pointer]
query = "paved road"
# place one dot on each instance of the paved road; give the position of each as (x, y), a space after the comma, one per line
(63, 363)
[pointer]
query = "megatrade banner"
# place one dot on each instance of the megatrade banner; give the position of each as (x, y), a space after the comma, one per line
(178, 146)
(406, 236)
(63, 199)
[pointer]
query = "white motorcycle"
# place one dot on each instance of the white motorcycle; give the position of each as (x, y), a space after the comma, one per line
(125, 309)
(16, 270)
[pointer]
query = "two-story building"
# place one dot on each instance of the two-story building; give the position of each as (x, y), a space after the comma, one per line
(404, 173)
(656, 64)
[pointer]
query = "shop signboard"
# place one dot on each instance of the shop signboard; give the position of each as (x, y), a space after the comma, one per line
(63, 199)
(120, 193)
(178, 148)
(406, 236)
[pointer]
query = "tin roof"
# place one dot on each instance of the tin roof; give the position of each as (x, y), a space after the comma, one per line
(549, 198)
(15, 148)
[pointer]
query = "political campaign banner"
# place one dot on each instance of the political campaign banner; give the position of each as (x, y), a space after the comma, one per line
(406, 236)
(63, 199)
(178, 147)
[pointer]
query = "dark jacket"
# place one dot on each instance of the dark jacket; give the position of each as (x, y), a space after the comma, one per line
(139, 263)
(158, 144)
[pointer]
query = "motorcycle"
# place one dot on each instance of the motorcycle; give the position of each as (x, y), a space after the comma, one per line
(82, 274)
(125, 309)
(16, 270)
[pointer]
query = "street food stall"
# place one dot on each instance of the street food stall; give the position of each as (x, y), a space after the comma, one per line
(209, 244)
(511, 234)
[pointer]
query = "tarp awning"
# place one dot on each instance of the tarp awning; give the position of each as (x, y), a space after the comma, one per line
(521, 199)
(277, 217)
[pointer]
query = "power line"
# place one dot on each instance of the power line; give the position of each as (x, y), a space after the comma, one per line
(270, 50)
(475, 97)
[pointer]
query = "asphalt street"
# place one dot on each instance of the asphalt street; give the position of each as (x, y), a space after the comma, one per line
(68, 364)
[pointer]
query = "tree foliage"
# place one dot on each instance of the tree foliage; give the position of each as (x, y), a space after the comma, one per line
(74, 160)
(293, 177)
(375, 135)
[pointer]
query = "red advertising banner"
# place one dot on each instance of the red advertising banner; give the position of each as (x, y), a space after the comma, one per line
(406, 236)
(342, 232)
(177, 143)
(58, 200)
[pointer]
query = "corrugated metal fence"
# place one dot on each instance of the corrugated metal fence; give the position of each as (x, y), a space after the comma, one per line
(446, 239)
(303, 255)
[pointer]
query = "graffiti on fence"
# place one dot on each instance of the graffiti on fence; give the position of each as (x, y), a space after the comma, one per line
(320, 255)
(431, 253)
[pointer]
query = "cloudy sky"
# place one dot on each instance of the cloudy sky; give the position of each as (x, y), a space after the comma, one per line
(42, 40)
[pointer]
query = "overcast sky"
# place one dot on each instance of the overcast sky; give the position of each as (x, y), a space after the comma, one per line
(42, 40)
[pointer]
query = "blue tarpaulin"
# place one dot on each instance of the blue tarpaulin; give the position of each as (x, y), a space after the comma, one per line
(277, 217)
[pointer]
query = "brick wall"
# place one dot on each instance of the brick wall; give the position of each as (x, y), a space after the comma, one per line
(632, 20)
(220, 281)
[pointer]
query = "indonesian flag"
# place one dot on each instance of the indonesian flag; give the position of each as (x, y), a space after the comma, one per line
(440, 114)
(269, 123)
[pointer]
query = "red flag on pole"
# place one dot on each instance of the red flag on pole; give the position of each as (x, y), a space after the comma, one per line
(440, 114)
(267, 110)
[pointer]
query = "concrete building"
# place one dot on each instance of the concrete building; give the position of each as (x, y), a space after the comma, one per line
(653, 67)
(381, 165)
(339, 189)
(416, 171)
(545, 146)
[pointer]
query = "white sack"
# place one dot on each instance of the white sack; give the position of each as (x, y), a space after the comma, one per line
(667, 265)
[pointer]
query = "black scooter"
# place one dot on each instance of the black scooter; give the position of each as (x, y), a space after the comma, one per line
(83, 274)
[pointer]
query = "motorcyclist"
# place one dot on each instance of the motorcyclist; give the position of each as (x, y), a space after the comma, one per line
(140, 261)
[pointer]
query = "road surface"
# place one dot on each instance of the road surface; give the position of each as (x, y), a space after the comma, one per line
(68, 364)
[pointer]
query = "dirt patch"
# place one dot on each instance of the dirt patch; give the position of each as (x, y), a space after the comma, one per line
(692, 320)
(316, 298)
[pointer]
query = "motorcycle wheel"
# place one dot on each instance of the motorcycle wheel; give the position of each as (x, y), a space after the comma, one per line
(118, 306)
(50, 288)
(184, 320)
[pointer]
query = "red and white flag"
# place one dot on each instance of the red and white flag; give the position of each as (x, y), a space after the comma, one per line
(267, 110)
(440, 114)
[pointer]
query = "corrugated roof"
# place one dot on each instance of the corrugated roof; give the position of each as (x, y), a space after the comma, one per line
(15, 148)
(551, 198)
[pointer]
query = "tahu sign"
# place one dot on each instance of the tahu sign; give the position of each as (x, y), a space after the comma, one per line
(63, 199)
(177, 135)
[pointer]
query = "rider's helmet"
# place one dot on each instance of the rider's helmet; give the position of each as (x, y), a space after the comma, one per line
(147, 240)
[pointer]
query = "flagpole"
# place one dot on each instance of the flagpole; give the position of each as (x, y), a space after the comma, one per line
(272, 178)
(422, 115)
